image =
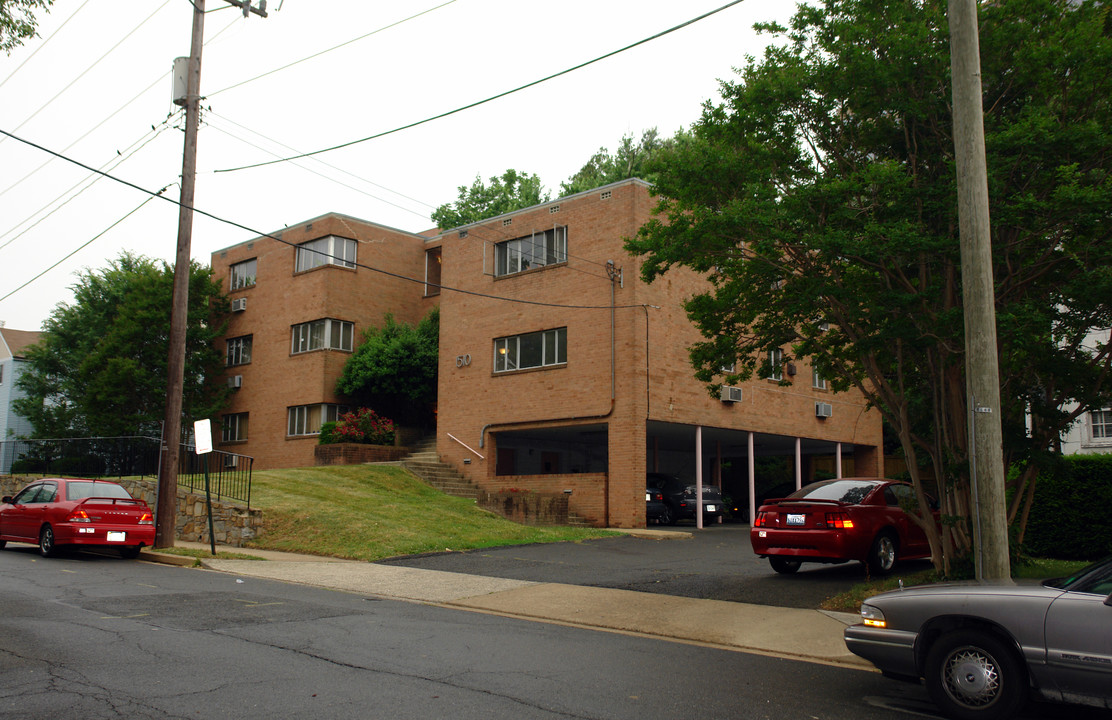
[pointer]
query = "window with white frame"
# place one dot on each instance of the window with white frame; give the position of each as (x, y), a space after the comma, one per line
(307, 419)
(239, 351)
(326, 334)
(817, 380)
(1101, 422)
(542, 248)
(330, 250)
(234, 427)
(531, 350)
(776, 364)
(243, 274)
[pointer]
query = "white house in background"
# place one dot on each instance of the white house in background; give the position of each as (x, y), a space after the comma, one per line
(13, 344)
(1092, 433)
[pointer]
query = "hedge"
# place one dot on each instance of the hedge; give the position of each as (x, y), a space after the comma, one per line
(1071, 518)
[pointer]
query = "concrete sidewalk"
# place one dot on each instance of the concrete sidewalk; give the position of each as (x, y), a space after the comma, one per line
(811, 635)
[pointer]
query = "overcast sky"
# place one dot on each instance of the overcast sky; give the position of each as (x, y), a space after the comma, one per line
(96, 87)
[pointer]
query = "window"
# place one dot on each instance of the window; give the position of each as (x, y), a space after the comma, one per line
(307, 419)
(239, 351)
(243, 274)
(324, 334)
(1102, 424)
(776, 364)
(537, 250)
(539, 349)
(234, 428)
(433, 259)
(817, 380)
(329, 250)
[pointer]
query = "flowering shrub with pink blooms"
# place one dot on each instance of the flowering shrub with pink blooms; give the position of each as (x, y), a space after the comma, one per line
(361, 426)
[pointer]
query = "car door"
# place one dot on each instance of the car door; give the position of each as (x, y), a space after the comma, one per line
(1079, 642)
(18, 517)
(913, 541)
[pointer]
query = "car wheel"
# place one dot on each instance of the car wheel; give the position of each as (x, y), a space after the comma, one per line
(46, 542)
(783, 565)
(970, 675)
(130, 553)
(667, 517)
(3, 543)
(882, 554)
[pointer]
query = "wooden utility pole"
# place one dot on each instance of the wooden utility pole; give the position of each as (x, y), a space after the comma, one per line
(990, 531)
(166, 514)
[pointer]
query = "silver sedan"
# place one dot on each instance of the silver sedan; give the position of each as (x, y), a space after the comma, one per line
(983, 650)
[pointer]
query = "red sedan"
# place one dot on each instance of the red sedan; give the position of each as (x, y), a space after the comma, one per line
(835, 521)
(58, 511)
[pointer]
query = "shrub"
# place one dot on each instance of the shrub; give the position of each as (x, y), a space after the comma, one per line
(1069, 518)
(361, 426)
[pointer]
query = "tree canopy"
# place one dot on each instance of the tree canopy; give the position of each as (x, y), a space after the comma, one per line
(394, 369)
(819, 198)
(99, 368)
(514, 190)
(630, 160)
(18, 22)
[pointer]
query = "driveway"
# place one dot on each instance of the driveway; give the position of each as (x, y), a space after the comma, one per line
(716, 563)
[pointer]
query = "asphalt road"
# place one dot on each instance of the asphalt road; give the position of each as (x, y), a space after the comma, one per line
(716, 563)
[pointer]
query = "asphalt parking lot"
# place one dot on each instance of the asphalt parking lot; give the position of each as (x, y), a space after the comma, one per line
(716, 563)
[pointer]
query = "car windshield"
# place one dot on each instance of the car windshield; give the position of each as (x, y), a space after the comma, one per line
(82, 490)
(1096, 578)
(847, 491)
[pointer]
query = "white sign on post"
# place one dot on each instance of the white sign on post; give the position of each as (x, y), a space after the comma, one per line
(202, 431)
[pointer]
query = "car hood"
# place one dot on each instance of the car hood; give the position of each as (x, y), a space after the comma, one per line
(953, 596)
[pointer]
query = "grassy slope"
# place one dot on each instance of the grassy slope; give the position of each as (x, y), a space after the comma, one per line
(370, 512)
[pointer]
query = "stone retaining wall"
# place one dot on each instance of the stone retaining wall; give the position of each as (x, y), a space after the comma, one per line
(528, 508)
(357, 453)
(232, 524)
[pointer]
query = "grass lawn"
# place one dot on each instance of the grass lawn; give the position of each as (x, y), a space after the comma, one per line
(371, 512)
(1037, 569)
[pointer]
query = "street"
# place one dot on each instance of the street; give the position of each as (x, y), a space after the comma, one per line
(93, 636)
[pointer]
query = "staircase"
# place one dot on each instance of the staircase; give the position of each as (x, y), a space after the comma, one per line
(424, 462)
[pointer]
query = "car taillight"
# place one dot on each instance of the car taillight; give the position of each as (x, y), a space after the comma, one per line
(146, 519)
(761, 520)
(839, 521)
(79, 515)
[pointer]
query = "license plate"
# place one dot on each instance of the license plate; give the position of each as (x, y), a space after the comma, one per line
(117, 536)
(711, 508)
(796, 519)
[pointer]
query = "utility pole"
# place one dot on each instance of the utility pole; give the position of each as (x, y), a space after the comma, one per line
(166, 512)
(990, 532)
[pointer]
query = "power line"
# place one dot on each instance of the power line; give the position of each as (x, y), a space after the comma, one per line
(259, 233)
(336, 47)
(43, 44)
(491, 98)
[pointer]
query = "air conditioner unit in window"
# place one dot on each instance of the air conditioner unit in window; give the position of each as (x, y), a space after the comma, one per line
(823, 410)
(235, 381)
(730, 394)
(230, 460)
(239, 304)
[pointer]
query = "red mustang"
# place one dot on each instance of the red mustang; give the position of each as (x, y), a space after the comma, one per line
(834, 521)
(57, 511)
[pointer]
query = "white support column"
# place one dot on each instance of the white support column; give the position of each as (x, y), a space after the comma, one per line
(699, 477)
(752, 482)
(838, 461)
(798, 463)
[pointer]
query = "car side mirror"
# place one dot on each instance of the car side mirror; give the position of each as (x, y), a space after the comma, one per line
(1108, 600)
(6, 499)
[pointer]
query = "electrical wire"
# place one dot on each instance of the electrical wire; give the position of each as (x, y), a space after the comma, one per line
(261, 234)
(477, 103)
(337, 47)
(43, 44)
(83, 246)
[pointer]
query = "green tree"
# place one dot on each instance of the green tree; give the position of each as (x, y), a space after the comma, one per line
(819, 199)
(100, 367)
(18, 22)
(394, 369)
(514, 190)
(630, 160)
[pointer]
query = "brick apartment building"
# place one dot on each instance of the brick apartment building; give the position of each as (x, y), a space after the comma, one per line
(561, 372)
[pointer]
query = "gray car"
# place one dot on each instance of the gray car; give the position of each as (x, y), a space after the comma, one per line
(984, 649)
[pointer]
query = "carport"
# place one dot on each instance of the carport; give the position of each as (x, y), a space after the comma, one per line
(735, 460)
